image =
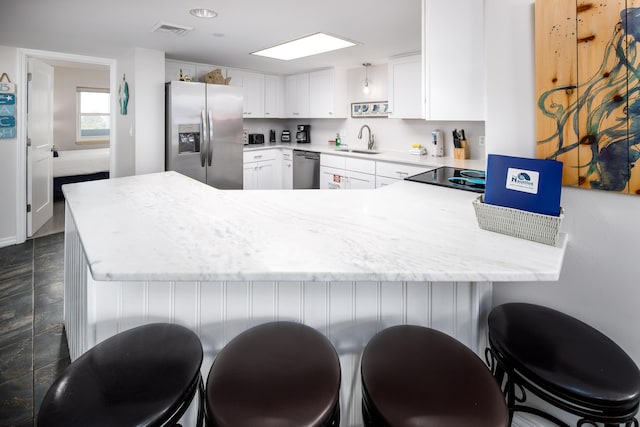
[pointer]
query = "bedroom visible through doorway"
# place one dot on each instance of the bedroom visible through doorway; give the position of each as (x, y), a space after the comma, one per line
(81, 148)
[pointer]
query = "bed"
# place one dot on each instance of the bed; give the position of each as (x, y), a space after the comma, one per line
(71, 166)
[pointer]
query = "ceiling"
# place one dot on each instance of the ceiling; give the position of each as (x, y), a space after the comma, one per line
(107, 28)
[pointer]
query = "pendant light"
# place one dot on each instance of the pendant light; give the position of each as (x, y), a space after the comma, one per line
(365, 84)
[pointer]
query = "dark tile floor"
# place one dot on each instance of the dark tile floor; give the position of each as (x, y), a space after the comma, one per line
(33, 346)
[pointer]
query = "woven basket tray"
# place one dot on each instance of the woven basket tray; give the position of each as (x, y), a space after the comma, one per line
(518, 223)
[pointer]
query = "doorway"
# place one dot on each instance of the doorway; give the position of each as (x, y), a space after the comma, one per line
(101, 151)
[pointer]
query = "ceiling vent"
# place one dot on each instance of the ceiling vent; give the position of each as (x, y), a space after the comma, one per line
(167, 28)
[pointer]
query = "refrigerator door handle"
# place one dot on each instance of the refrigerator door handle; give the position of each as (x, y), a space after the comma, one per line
(203, 139)
(210, 139)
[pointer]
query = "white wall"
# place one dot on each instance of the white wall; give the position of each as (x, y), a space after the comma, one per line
(147, 98)
(599, 283)
(140, 132)
(65, 82)
(9, 61)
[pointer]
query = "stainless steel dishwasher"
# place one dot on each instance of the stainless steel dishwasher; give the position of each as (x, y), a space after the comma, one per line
(306, 169)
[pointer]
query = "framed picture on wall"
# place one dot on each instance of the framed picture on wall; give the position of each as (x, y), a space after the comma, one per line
(370, 109)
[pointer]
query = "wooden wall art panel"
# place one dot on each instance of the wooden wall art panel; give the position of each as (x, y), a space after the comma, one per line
(587, 89)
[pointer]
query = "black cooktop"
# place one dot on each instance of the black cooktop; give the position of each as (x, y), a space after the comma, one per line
(462, 179)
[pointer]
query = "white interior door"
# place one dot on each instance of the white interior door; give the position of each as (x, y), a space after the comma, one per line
(39, 150)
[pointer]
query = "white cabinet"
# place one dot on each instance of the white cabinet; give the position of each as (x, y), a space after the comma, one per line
(390, 172)
(252, 85)
(406, 96)
(287, 169)
(273, 96)
(297, 96)
(317, 95)
(346, 173)
(260, 171)
(327, 94)
(454, 57)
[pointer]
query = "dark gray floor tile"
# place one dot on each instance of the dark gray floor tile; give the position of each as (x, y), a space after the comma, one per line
(16, 285)
(13, 271)
(48, 317)
(28, 423)
(16, 400)
(16, 254)
(44, 377)
(53, 243)
(44, 276)
(48, 294)
(16, 358)
(16, 316)
(50, 347)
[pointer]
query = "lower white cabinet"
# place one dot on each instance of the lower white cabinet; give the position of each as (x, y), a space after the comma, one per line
(260, 171)
(287, 169)
(390, 172)
(346, 173)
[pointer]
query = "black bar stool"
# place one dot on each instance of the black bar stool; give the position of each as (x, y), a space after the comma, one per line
(416, 376)
(563, 361)
(281, 374)
(145, 376)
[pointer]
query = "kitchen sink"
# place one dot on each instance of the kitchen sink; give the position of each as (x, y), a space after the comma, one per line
(358, 150)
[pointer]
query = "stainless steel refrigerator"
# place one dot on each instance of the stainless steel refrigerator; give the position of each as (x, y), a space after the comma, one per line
(204, 132)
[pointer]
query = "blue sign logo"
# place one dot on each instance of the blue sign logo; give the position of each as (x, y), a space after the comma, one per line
(7, 121)
(7, 99)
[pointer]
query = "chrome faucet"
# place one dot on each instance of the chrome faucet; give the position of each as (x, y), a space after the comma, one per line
(371, 141)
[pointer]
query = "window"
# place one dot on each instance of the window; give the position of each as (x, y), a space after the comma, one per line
(94, 119)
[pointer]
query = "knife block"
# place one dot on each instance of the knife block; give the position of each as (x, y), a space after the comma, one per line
(462, 152)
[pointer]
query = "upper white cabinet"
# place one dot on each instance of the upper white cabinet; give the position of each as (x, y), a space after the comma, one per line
(327, 93)
(253, 87)
(406, 96)
(454, 57)
(297, 96)
(317, 95)
(273, 96)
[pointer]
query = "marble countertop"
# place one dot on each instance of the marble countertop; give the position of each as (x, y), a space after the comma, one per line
(166, 226)
(387, 156)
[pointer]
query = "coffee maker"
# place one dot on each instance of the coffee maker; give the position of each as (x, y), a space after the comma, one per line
(303, 134)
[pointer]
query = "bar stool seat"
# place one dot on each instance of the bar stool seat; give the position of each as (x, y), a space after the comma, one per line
(275, 374)
(415, 376)
(563, 361)
(145, 376)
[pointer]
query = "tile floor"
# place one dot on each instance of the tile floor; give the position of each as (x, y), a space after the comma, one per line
(33, 346)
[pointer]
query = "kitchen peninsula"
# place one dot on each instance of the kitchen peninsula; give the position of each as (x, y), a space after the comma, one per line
(163, 247)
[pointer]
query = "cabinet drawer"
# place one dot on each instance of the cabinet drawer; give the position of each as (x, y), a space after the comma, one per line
(360, 165)
(332, 161)
(399, 170)
(259, 155)
(287, 154)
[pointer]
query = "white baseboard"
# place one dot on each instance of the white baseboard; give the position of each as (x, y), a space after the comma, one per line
(7, 241)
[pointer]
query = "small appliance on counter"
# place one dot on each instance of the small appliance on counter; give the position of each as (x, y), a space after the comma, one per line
(272, 135)
(446, 176)
(437, 144)
(256, 138)
(303, 135)
(285, 136)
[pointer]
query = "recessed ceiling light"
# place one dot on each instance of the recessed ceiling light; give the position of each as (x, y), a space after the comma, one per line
(203, 13)
(305, 46)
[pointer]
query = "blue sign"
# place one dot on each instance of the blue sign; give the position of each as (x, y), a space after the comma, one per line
(7, 99)
(6, 133)
(7, 110)
(7, 121)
